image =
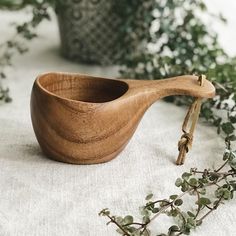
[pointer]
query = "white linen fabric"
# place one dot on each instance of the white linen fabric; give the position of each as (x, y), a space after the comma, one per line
(42, 197)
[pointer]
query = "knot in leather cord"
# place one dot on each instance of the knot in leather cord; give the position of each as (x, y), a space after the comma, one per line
(185, 142)
(186, 139)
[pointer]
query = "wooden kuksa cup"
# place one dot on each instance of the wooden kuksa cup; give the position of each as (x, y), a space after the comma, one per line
(83, 119)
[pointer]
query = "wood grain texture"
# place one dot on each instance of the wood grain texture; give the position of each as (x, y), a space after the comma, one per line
(82, 119)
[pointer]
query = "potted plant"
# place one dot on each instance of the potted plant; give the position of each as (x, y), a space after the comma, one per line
(102, 31)
(89, 31)
(95, 31)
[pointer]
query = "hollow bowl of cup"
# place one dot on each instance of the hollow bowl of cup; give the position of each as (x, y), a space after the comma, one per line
(75, 119)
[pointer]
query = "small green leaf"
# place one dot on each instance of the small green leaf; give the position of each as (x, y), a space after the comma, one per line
(155, 210)
(178, 182)
(185, 187)
(186, 175)
(132, 230)
(199, 222)
(190, 214)
(144, 211)
(128, 219)
(149, 196)
(174, 228)
(203, 201)
(146, 219)
(193, 182)
(228, 128)
(223, 192)
(173, 197)
(173, 212)
(219, 192)
(202, 191)
(214, 176)
(178, 202)
(232, 119)
(104, 212)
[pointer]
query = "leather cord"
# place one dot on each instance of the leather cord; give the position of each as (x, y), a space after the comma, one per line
(186, 140)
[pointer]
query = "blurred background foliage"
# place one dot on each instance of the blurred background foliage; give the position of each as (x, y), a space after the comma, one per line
(160, 38)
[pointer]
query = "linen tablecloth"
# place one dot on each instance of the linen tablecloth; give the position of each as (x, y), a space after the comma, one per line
(42, 197)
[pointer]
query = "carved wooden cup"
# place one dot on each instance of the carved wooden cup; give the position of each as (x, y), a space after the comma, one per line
(83, 119)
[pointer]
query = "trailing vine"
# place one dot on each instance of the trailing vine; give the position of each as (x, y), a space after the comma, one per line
(199, 184)
(17, 44)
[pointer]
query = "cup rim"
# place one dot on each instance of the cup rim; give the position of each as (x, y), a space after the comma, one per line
(40, 76)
